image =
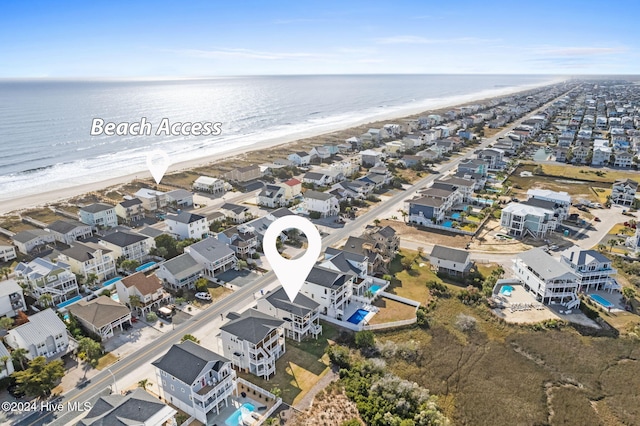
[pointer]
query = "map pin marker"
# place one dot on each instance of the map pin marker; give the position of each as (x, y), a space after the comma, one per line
(292, 273)
(158, 162)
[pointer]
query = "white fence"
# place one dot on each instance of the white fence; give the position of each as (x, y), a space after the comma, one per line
(278, 401)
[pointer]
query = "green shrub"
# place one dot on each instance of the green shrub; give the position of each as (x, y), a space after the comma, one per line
(315, 215)
(152, 317)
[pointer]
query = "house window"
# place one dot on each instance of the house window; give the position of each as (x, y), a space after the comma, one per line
(172, 388)
(182, 389)
(164, 382)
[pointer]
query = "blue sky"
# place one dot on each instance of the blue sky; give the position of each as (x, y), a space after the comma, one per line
(155, 39)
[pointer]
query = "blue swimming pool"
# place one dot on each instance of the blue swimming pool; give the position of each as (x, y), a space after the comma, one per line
(455, 216)
(111, 281)
(448, 224)
(146, 266)
(506, 290)
(115, 297)
(69, 302)
(374, 289)
(601, 300)
(235, 419)
(358, 316)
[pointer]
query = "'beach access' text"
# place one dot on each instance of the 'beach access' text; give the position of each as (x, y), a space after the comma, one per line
(143, 128)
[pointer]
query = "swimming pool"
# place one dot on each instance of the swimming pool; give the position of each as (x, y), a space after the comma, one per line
(111, 281)
(69, 302)
(506, 290)
(358, 316)
(374, 289)
(455, 216)
(601, 300)
(448, 224)
(115, 297)
(235, 419)
(146, 266)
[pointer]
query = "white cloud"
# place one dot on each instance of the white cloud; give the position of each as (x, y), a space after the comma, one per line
(580, 51)
(247, 53)
(409, 39)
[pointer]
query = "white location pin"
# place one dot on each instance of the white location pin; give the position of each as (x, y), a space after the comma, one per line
(158, 162)
(292, 273)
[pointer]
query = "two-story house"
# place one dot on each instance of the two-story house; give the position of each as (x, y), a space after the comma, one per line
(137, 407)
(272, 196)
(147, 288)
(321, 202)
(181, 272)
(450, 261)
(301, 317)
(209, 184)
(561, 200)
(623, 192)
(7, 253)
(186, 225)
(300, 158)
(130, 210)
(547, 279)
(128, 244)
(102, 316)
(214, 256)
(42, 276)
(30, 240)
(518, 220)
(593, 269)
(241, 239)
(152, 200)
(98, 215)
(253, 341)
(426, 210)
(43, 335)
(67, 231)
(235, 212)
(11, 298)
(330, 288)
(90, 258)
(195, 380)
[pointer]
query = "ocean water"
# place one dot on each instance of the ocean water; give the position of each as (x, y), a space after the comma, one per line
(44, 125)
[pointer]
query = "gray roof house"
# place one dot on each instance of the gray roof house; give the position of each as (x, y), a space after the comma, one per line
(214, 256)
(67, 231)
(136, 408)
(195, 380)
(301, 316)
(44, 335)
(180, 272)
(450, 261)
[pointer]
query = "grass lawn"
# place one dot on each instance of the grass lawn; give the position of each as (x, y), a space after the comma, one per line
(619, 228)
(181, 179)
(219, 292)
(106, 361)
(568, 171)
(302, 365)
(411, 284)
(577, 188)
(391, 310)
(43, 215)
(601, 194)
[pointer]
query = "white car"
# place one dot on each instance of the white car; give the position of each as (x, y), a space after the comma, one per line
(203, 295)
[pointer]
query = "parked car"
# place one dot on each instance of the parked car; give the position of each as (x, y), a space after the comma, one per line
(597, 219)
(203, 295)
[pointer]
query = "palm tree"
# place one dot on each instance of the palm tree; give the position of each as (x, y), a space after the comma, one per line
(91, 279)
(5, 271)
(45, 300)
(628, 293)
(612, 243)
(602, 247)
(6, 323)
(376, 222)
(404, 215)
(144, 384)
(134, 301)
(20, 355)
(3, 362)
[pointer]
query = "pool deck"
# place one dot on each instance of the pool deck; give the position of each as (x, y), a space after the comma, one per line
(615, 298)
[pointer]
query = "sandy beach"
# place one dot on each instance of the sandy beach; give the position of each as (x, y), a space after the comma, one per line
(14, 202)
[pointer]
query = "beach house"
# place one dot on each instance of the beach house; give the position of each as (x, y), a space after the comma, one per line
(179, 198)
(593, 269)
(128, 244)
(241, 239)
(272, 196)
(42, 276)
(320, 202)
(561, 200)
(209, 184)
(66, 231)
(6, 367)
(623, 192)
(146, 288)
(7, 253)
(301, 317)
(130, 210)
(137, 407)
(90, 258)
(152, 200)
(253, 341)
(186, 225)
(300, 158)
(550, 281)
(235, 212)
(43, 335)
(11, 298)
(98, 215)
(214, 256)
(195, 380)
(32, 239)
(102, 316)
(180, 273)
(450, 261)
(519, 220)
(244, 174)
(330, 288)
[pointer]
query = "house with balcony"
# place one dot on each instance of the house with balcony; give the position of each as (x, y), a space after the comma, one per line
(623, 192)
(550, 281)
(593, 269)
(43, 335)
(209, 184)
(371, 158)
(292, 188)
(601, 152)
(195, 380)
(186, 225)
(130, 210)
(300, 158)
(235, 212)
(520, 220)
(152, 200)
(7, 253)
(330, 288)
(244, 174)
(90, 258)
(386, 240)
(463, 186)
(272, 196)
(494, 157)
(319, 178)
(623, 159)
(138, 407)
(98, 215)
(11, 298)
(32, 239)
(102, 316)
(301, 317)
(42, 276)
(426, 210)
(478, 166)
(214, 256)
(180, 273)
(67, 231)
(321, 202)
(180, 198)
(561, 200)
(241, 239)
(147, 288)
(253, 341)
(128, 244)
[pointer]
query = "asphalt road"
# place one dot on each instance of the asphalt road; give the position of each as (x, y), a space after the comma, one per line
(125, 366)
